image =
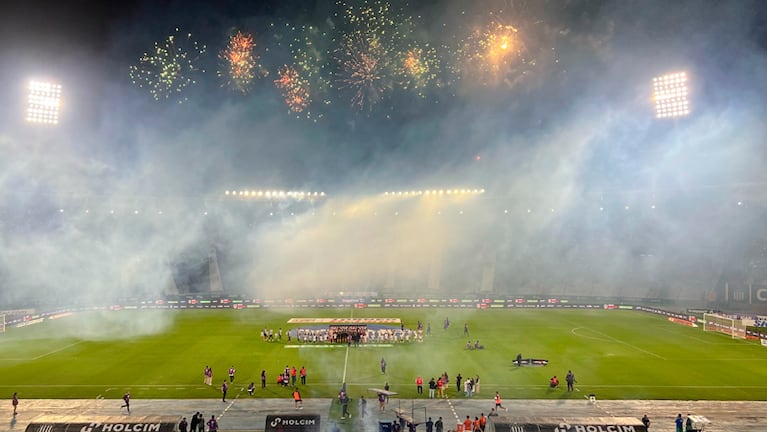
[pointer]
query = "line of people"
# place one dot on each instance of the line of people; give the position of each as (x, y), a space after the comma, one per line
(285, 379)
(198, 424)
(438, 388)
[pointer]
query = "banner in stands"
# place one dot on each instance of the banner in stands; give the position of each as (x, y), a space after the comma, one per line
(101, 427)
(292, 423)
(745, 294)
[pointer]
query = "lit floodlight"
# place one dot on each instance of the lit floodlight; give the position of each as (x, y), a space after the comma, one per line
(271, 194)
(43, 102)
(433, 192)
(670, 95)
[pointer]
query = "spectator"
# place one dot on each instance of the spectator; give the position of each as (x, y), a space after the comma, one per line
(195, 421)
(212, 424)
(297, 401)
(363, 406)
(646, 421)
(126, 400)
(570, 378)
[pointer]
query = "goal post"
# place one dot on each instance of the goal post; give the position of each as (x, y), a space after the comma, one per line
(723, 324)
(2, 323)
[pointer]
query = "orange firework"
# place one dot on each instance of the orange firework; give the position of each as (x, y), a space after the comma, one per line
(295, 90)
(492, 54)
(412, 63)
(417, 69)
(500, 46)
(240, 62)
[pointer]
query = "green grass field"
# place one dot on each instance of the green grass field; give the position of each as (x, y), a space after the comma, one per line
(614, 354)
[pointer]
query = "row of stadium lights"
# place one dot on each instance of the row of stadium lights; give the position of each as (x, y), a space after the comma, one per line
(135, 212)
(436, 192)
(669, 92)
(396, 213)
(273, 194)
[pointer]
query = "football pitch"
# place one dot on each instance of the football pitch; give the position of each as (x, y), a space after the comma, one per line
(160, 354)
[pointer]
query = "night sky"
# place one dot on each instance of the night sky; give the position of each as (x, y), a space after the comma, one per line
(565, 132)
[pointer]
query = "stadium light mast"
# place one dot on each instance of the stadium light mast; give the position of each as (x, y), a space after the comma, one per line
(670, 93)
(43, 102)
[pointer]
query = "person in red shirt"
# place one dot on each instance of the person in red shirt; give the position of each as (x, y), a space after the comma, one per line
(554, 382)
(498, 402)
(467, 424)
(419, 384)
(475, 425)
(482, 422)
(303, 375)
(297, 399)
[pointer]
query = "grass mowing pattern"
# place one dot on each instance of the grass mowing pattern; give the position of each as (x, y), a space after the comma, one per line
(614, 354)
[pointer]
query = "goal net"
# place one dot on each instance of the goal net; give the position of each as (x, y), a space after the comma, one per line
(724, 324)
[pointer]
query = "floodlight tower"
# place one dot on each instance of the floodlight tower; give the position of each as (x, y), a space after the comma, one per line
(43, 102)
(670, 95)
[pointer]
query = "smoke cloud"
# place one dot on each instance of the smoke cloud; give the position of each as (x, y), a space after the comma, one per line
(586, 193)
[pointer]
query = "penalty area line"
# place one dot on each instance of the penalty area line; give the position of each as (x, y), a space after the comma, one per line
(55, 351)
(626, 343)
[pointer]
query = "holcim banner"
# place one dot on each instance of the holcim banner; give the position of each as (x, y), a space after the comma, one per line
(292, 423)
(567, 428)
(617, 424)
(101, 427)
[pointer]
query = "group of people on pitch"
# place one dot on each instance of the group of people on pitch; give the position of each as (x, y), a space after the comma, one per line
(569, 379)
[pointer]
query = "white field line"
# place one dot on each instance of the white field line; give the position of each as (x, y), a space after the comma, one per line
(346, 357)
(617, 340)
(56, 350)
(376, 383)
(41, 355)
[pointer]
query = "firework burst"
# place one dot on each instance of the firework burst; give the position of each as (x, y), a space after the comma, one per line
(498, 52)
(368, 55)
(491, 53)
(295, 89)
(311, 54)
(239, 63)
(417, 68)
(169, 68)
(363, 65)
(310, 49)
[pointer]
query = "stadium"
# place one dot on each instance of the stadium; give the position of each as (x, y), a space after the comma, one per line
(511, 215)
